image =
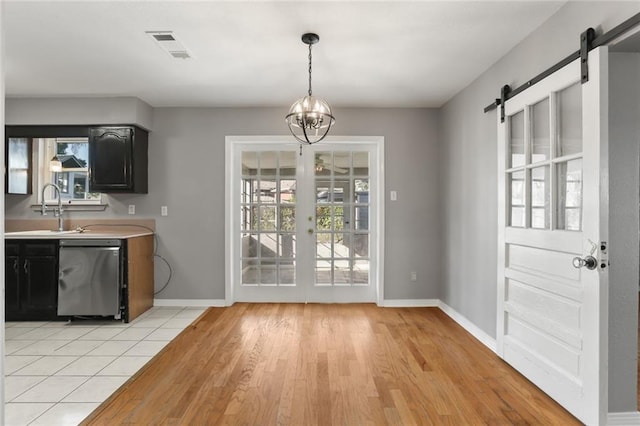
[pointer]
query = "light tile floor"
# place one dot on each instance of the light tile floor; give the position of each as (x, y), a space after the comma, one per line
(56, 373)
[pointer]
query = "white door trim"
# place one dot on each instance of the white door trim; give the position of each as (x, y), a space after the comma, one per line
(233, 142)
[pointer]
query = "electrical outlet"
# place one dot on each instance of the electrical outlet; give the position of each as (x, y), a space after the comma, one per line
(164, 211)
(132, 209)
(414, 276)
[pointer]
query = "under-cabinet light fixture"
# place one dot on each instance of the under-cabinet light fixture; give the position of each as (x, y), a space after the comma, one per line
(55, 165)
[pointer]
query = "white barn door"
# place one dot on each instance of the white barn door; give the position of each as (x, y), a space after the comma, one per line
(553, 226)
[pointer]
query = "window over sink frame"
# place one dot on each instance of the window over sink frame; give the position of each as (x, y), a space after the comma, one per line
(73, 180)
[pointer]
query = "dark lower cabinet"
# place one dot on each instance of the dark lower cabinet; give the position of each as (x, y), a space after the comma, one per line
(31, 280)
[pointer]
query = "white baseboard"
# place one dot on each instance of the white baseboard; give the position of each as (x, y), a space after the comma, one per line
(475, 331)
(195, 303)
(623, 419)
(410, 303)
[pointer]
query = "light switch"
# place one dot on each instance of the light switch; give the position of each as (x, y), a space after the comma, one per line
(132, 209)
(164, 211)
(394, 195)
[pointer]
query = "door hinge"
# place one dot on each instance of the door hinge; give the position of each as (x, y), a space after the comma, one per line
(604, 254)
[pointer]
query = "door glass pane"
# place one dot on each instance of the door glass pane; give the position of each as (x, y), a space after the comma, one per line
(516, 186)
(540, 198)
(250, 269)
(323, 163)
(18, 162)
(268, 190)
(18, 181)
(324, 221)
(268, 163)
(341, 163)
(361, 271)
(250, 273)
(287, 274)
(287, 247)
(516, 140)
(250, 192)
(323, 272)
(249, 163)
(268, 272)
(267, 218)
(287, 163)
(286, 191)
(341, 272)
(323, 191)
(268, 247)
(361, 245)
(570, 120)
(569, 211)
(19, 152)
(361, 191)
(541, 147)
(287, 219)
(361, 164)
(362, 218)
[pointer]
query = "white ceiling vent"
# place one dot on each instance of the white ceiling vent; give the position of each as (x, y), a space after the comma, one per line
(170, 44)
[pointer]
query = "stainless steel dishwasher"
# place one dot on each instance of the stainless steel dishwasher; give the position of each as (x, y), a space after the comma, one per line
(89, 278)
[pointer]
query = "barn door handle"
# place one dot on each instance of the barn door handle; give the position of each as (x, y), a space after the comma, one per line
(588, 262)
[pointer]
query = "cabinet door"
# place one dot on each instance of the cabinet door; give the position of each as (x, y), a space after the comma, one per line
(18, 166)
(39, 283)
(40, 286)
(111, 159)
(12, 270)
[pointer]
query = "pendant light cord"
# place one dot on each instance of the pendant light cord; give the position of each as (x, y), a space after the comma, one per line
(309, 69)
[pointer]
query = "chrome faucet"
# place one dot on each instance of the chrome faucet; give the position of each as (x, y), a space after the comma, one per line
(57, 213)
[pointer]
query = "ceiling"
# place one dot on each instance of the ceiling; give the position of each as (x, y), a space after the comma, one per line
(249, 53)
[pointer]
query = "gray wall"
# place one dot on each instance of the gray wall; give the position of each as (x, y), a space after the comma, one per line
(186, 173)
(469, 165)
(469, 156)
(624, 166)
(115, 110)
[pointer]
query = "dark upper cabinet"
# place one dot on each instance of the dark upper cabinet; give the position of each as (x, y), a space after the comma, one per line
(17, 178)
(118, 161)
(31, 280)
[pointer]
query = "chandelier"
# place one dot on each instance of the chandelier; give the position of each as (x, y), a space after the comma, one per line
(310, 117)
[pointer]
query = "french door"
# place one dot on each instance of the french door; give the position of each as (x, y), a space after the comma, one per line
(552, 242)
(303, 222)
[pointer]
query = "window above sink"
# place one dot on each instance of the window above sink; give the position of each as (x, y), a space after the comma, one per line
(73, 179)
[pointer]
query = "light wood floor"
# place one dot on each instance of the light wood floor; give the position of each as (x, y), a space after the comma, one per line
(292, 364)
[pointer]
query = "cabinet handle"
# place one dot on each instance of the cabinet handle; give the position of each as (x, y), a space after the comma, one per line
(15, 266)
(26, 266)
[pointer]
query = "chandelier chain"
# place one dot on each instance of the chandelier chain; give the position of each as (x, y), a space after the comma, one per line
(309, 69)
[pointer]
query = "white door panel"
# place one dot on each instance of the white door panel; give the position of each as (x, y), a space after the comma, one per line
(552, 316)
